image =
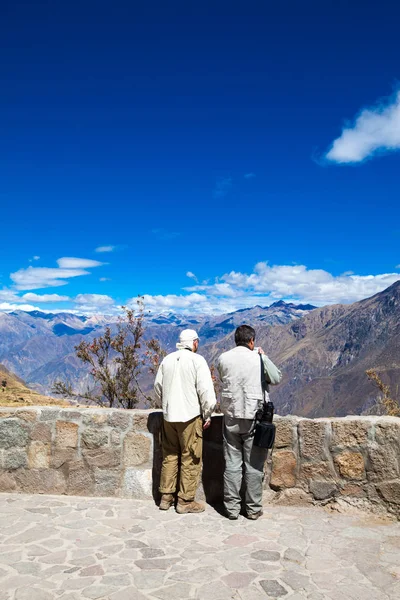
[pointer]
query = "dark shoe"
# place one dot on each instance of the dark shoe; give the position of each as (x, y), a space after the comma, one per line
(255, 516)
(189, 506)
(231, 517)
(167, 501)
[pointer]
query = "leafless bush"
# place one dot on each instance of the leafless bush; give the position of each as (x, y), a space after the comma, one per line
(385, 402)
(116, 361)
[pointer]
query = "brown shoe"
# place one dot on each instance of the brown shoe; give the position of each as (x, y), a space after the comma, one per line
(189, 506)
(255, 516)
(167, 501)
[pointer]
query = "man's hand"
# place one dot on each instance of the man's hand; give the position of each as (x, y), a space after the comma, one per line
(261, 351)
(207, 423)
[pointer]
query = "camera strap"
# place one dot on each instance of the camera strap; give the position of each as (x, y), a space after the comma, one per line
(263, 379)
(257, 418)
(264, 385)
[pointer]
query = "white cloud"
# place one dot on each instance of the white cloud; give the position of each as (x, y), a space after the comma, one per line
(105, 249)
(249, 175)
(69, 262)
(7, 307)
(104, 279)
(34, 278)
(11, 297)
(30, 297)
(191, 276)
(201, 304)
(8, 295)
(374, 130)
(96, 304)
(34, 258)
(216, 289)
(266, 284)
(94, 300)
(171, 301)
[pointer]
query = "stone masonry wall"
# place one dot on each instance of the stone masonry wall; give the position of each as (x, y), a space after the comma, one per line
(353, 460)
(84, 452)
(113, 452)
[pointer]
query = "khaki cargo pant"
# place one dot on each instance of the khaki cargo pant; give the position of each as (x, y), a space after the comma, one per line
(182, 445)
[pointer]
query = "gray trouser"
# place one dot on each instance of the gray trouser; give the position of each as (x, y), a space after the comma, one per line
(239, 450)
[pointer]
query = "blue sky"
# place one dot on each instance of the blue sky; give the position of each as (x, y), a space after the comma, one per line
(225, 140)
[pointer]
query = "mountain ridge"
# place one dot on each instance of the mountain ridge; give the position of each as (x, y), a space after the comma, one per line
(323, 352)
(331, 348)
(41, 348)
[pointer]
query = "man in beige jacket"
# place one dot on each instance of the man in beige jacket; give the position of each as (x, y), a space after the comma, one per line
(185, 388)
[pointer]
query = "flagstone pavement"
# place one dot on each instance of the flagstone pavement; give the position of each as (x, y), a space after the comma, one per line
(112, 549)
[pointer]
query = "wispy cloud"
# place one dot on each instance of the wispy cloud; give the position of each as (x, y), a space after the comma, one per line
(13, 300)
(34, 278)
(190, 302)
(69, 262)
(102, 249)
(96, 304)
(192, 276)
(8, 307)
(98, 300)
(222, 187)
(8, 295)
(42, 277)
(104, 279)
(375, 130)
(249, 175)
(266, 284)
(34, 258)
(164, 234)
(30, 297)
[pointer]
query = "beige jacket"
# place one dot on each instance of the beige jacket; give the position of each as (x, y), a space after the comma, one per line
(240, 373)
(185, 387)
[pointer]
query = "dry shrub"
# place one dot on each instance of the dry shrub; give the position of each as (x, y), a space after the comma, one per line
(389, 405)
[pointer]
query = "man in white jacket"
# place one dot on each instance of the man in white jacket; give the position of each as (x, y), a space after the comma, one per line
(242, 395)
(185, 387)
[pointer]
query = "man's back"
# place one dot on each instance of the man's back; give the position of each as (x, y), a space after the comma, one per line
(185, 387)
(240, 372)
(242, 394)
(184, 384)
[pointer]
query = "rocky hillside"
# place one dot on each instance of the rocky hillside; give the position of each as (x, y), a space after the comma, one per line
(14, 392)
(324, 356)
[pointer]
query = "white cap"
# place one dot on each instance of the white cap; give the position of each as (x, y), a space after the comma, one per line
(187, 336)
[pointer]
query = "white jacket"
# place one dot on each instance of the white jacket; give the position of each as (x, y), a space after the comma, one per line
(240, 373)
(184, 385)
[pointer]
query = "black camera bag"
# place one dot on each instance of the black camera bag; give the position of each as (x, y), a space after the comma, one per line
(264, 434)
(264, 430)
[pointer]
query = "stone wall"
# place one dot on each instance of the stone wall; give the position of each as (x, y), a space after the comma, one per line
(88, 452)
(112, 452)
(352, 460)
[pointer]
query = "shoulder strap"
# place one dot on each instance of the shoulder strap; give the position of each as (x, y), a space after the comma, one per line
(263, 379)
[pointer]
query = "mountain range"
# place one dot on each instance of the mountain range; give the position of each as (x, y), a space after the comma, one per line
(324, 356)
(39, 347)
(322, 352)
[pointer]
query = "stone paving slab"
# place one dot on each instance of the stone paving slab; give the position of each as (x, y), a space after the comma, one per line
(70, 548)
